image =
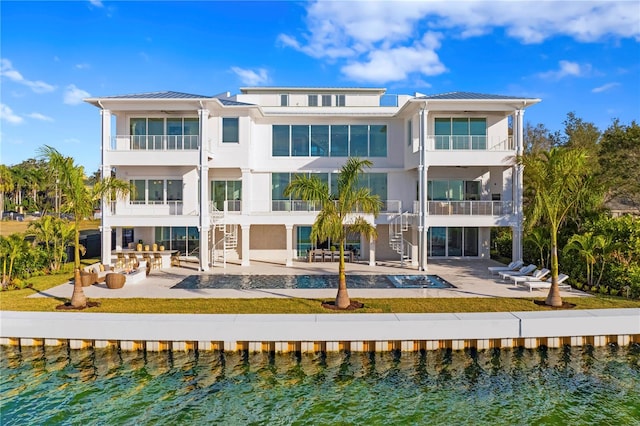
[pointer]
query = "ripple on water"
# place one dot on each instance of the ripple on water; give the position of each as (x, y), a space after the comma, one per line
(550, 386)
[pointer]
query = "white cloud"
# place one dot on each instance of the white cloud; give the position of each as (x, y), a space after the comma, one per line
(83, 66)
(39, 116)
(368, 35)
(251, 77)
(9, 116)
(566, 69)
(96, 3)
(7, 70)
(604, 87)
(74, 95)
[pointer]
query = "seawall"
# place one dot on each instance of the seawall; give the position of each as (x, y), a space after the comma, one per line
(321, 332)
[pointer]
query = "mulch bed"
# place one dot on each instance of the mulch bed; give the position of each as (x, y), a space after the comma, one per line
(352, 307)
(67, 306)
(565, 305)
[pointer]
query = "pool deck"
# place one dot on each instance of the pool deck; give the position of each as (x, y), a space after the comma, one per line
(471, 278)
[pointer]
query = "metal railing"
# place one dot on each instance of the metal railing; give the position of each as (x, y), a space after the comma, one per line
(466, 208)
(155, 142)
(468, 143)
(388, 206)
(140, 208)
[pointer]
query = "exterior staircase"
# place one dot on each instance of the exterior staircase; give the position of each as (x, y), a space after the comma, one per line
(398, 224)
(229, 240)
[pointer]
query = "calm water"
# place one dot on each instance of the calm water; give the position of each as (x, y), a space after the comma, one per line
(576, 386)
(311, 281)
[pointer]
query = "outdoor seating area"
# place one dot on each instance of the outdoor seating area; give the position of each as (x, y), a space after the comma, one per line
(324, 255)
(528, 276)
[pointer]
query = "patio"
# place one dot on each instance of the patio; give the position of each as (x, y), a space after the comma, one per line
(471, 278)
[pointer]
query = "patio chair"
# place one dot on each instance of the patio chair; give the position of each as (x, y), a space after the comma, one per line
(525, 270)
(539, 284)
(133, 261)
(157, 261)
(115, 281)
(513, 266)
(326, 255)
(175, 259)
(121, 261)
(538, 275)
(88, 278)
(317, 256)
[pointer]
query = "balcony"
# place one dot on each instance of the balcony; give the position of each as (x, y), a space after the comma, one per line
(155, 143)
(466, 208)
(388, 206)
(468, 143)
(169, 208)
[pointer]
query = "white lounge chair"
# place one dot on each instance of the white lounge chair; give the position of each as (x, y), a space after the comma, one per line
(513, 266)
(525, 270)
(537, 275)
(547, 284)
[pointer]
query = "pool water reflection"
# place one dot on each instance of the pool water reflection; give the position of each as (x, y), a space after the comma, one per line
(577, 386)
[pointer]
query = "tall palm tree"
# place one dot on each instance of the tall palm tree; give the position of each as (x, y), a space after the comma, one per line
(339, 216)
(79, 200)
(558, 183)
(6, 185)
(12, 248)
(55, 234)
(591, 248)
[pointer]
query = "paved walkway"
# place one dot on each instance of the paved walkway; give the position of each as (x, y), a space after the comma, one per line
(471, 279)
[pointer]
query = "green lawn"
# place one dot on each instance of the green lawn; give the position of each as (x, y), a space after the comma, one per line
(17, 300)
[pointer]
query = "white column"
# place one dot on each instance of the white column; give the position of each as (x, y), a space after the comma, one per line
(246, 191)
(289, 245)
(106, 131)
(203, 196)
(423, 169)
(245, 245)
(415, 246)
(372, 251)
(518, 186)
(105, 249)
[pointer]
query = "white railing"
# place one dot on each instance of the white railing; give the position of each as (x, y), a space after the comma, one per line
(388, 206)
(226, 206)
(466, 208)
(155, 142)
(140, 208)
(468, 143)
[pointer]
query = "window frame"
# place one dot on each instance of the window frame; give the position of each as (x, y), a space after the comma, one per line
(225, 134)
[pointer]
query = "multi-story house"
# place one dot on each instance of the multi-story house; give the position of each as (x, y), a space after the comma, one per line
(209, 172)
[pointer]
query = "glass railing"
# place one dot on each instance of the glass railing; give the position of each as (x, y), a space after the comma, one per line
(155, 142)
(469, 143)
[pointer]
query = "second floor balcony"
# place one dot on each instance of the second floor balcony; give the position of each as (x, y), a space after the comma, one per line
(466, 208)
(155, 143)
(468, 143)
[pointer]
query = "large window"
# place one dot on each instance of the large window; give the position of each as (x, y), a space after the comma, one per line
(460, 133)
(376, 182)
(229, 191)
(453, 190)
(452, 242)
(313, 100)
(156, 191)
(230, 130)
(338, 140)
(184, 239)
(164, 134)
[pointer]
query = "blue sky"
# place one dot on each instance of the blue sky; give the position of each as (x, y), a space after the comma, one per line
(581, 57)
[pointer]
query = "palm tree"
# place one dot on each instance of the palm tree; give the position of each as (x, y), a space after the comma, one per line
(79, 200)
(6, 185)
(591, 248)
(55, 234)
(13, 248)
(337, 217)
(539, 239)
(558, 183)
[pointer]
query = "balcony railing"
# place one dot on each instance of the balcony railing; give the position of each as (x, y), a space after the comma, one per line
(468, 143)
(137, 208)
(388, 206)
(155, 142)
(466, 208)
(226, 206)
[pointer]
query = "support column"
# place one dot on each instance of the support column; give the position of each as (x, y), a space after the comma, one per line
(105, 245)
(518, 185)
(245, 206)
(415, 246)
(289, 238)
(203, 190)
(423, 169)
(372, 251)
(245, 245)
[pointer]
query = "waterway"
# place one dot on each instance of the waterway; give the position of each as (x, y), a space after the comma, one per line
(577, 386)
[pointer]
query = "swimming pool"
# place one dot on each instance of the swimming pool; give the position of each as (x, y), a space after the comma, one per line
(243, 282)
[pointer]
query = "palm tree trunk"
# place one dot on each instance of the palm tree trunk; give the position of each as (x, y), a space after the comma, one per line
(78, 299)
(342, 299)
(553, 298)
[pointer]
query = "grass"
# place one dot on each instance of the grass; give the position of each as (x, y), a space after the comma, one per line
(18, 300)
(8, 227)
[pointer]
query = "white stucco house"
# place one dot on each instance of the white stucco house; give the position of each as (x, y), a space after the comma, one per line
(210, 171)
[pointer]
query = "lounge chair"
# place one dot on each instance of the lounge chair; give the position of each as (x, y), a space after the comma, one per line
(525, 270)
(547, 284)
(513, 266)
(537, 275)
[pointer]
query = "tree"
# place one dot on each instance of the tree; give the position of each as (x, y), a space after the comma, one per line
(539, 138)
(619, 159)
(591, 248)
(13, 248)
(558, 183)
(6, 185)
(55, 234)
(79, 200)
(338, 216)
(539, 239)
